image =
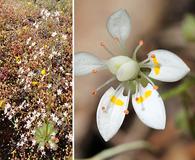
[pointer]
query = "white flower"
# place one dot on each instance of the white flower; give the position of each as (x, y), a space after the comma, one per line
(33, 132)
(33, 44)
(39, 123)
(28, 40)
(7, 107)
(39, 101)
(42, 148)
(42, 11)
(147, 103)
(69, 136)
(43, 115)
(16, 123)
(57, 13)
(54, 118)
(28, 124)
(41, 51)
(47, 13)
(53, 145)
(59, 92)
(64, 36)
(10, 117)
(50, 56)
(33, 142)
(22, 136)
(22, 105)
(31, 74)
(49, 85)
(59, 123)
(54, 34)
(65, 114)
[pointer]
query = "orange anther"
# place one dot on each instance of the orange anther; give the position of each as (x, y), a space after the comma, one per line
(116, 39)
(102, 44)
(136, 98)
(155, 87)
(141, 42)
(153, 56)
(94, 93)
(126, 112)
(94, 71)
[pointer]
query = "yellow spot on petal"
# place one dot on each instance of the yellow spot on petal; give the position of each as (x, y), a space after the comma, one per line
(116, 101)
(146, 95)
(139, 99)
(43, 72)
(156, 64)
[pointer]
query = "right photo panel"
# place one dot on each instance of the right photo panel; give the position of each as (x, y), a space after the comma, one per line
(134, 77)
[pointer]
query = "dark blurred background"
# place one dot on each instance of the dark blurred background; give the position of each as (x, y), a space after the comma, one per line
(167, 24)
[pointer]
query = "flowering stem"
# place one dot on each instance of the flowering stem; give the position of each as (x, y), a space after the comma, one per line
(120, 149)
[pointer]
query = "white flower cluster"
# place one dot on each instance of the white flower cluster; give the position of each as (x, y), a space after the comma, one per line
(46, 14)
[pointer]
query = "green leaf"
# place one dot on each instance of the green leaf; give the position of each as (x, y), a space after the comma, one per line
(181, 121)
(44, 133)
(188, 27)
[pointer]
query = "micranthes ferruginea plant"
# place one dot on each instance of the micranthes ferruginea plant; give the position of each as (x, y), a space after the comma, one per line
(163, 65)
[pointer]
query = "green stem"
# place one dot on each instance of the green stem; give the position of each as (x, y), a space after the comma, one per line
(189, 115)
(119, 149)
(180, 89)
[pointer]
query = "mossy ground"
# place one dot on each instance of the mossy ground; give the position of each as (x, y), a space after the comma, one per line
(35, 77)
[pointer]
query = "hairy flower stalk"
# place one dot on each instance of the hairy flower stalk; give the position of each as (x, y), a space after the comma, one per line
(128, 71)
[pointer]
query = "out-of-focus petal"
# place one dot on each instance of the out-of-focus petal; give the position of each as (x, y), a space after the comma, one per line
(119, 26)
(85, 63)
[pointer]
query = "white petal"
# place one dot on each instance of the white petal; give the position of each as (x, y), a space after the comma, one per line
(111, 112)
(85, 63)
(149, 107)
(171, 69)
(119, 25)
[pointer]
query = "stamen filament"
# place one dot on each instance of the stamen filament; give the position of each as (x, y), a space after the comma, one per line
(137, 86)
(149, 65)
(103, 85)
(120, 45)
(137, 49)
(147, 78)
(106, 48)
(144, 61)
(138, 93)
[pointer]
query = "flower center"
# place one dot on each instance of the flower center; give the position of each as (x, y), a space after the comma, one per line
(123, 67)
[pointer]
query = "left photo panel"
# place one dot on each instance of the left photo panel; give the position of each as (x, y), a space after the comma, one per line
(36, 79)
